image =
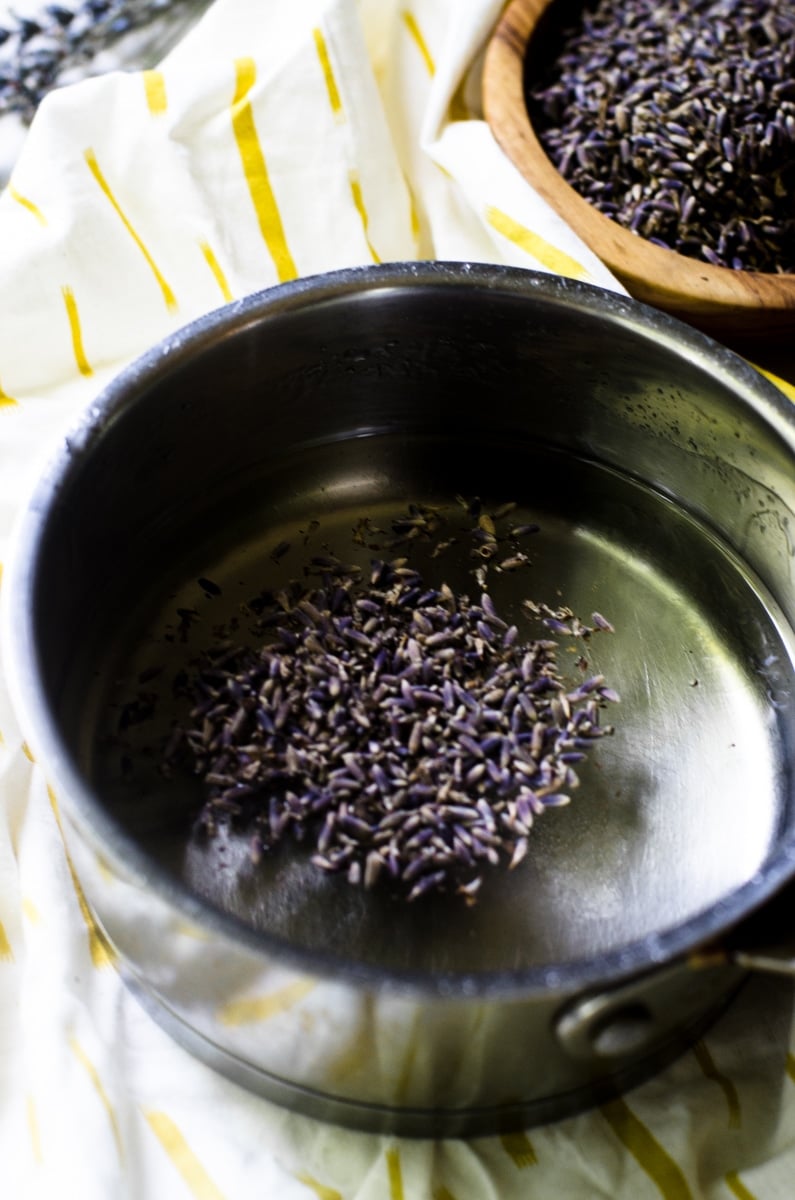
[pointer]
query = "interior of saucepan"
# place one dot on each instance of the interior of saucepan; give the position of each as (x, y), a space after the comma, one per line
(660, 474)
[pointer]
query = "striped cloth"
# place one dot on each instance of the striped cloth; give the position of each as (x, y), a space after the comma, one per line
(278, 140)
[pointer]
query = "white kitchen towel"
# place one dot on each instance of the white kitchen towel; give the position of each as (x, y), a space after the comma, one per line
(278, 140)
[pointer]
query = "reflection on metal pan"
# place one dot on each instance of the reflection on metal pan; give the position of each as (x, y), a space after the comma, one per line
(659, 470)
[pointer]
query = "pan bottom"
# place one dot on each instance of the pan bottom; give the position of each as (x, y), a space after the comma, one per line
(676, 810)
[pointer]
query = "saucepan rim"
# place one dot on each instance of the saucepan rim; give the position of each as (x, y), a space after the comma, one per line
(84, 804)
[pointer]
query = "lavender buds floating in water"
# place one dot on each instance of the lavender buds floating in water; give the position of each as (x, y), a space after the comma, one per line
(408, 734)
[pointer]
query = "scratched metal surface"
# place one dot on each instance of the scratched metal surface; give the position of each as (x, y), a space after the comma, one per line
(674, 811)
(660, 504)
(659, 469)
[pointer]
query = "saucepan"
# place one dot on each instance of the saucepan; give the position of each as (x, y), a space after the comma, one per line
(636, 482)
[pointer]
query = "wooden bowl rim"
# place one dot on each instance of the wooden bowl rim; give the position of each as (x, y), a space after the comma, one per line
(652, 273)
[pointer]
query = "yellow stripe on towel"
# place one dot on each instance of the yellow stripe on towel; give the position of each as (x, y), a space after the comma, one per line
(262, 1008)
(394, 1173)
(75, 329)
(93, 1075)
(101, 953)
(358, 200)
(781, 384)
(215, 267)
(7, 401)
(334, 97)
(256, 172)
(410, 21)
(184, 1159)
(96, 171)
(650, 1156)
(6, 953)
(533, 244)
(155, 92)
(321, 1191)
(27, 204)
(737, 1187)
(707, 1064)
(519, 1149)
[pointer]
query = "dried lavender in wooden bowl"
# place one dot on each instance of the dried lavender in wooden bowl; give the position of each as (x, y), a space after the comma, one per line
(663, 133)
(676, 118)
(405, 733)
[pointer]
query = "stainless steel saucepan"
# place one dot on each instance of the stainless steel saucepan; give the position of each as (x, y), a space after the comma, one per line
(660, 469)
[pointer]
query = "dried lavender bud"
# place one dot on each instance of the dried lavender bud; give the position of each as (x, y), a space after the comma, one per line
(411, 734)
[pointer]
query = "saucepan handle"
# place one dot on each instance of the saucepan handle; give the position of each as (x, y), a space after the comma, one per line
(633, 1015)
(762, 942)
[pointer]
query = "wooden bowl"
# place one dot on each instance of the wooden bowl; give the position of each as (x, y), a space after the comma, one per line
(741, 307)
